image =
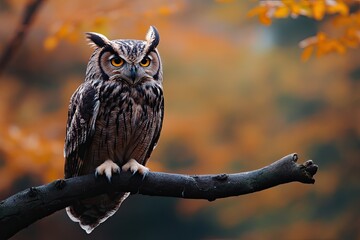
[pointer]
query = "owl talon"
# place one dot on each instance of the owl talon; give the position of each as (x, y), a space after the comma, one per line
(144, 175)
(133, 166)
(108, 168)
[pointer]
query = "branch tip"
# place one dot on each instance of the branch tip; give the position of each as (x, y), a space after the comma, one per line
(309, 169)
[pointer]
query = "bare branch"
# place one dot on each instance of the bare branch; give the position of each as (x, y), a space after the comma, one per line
(29, 14)
(26, 207)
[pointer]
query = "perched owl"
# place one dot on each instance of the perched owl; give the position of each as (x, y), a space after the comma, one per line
(114, 119)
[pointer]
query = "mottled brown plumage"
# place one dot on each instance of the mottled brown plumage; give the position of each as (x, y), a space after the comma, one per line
(114, 119)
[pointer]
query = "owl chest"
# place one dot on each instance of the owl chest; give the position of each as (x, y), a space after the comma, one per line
(124, 123)
(121, 118)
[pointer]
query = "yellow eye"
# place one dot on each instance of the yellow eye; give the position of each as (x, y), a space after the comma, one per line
(117, 61)
(145, 62)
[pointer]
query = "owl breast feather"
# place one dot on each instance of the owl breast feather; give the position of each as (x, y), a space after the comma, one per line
(128, 123)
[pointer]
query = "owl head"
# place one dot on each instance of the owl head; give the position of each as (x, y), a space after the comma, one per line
(131, 62)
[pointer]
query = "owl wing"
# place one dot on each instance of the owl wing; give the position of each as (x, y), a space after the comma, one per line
(80, 128)
(158, 127)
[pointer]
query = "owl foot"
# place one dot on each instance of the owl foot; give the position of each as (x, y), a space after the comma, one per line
(135, 167)
(108, 168)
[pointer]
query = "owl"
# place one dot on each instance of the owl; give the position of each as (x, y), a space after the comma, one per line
(114, 119)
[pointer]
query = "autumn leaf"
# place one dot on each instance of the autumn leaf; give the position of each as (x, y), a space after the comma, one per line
(307, 53)
(318, 9)
(265, 19)
(267, 10)
(338, 7)
(282, 12)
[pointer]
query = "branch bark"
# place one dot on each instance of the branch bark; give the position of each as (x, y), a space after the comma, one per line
(28, 206)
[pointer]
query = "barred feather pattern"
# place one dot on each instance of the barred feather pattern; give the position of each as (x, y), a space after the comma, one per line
(115, 114)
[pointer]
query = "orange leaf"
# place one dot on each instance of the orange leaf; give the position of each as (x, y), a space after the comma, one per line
(264, 19)
(321, 36)
(307, 53)
(340, 48)
(281, 12)
(351, 37)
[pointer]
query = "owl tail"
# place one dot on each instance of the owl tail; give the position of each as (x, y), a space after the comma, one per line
(89, 213)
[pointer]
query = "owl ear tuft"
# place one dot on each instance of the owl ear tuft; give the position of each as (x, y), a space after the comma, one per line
(152, 38)
(96, 39)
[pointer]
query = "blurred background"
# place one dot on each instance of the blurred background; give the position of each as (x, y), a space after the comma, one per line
(237, 97)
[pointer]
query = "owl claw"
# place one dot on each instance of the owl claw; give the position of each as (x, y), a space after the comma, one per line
(133, 166)
(108, 168)
(145, 173)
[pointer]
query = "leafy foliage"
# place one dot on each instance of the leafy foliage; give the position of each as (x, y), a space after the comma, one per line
(346, 22)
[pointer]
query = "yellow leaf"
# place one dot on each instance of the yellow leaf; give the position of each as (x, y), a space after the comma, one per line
(307, 53)
(339, 7)
(50, 43)
(295, 9)
(318, 9)
(281, 12)
(305, 9)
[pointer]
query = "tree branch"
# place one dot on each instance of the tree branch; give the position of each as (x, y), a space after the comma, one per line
(29, 14)
(26, 207)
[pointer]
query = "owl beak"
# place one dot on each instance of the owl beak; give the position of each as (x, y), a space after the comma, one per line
(133, 73)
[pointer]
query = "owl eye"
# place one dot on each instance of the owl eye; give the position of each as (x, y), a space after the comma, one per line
(117, 61)
(145, 62)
